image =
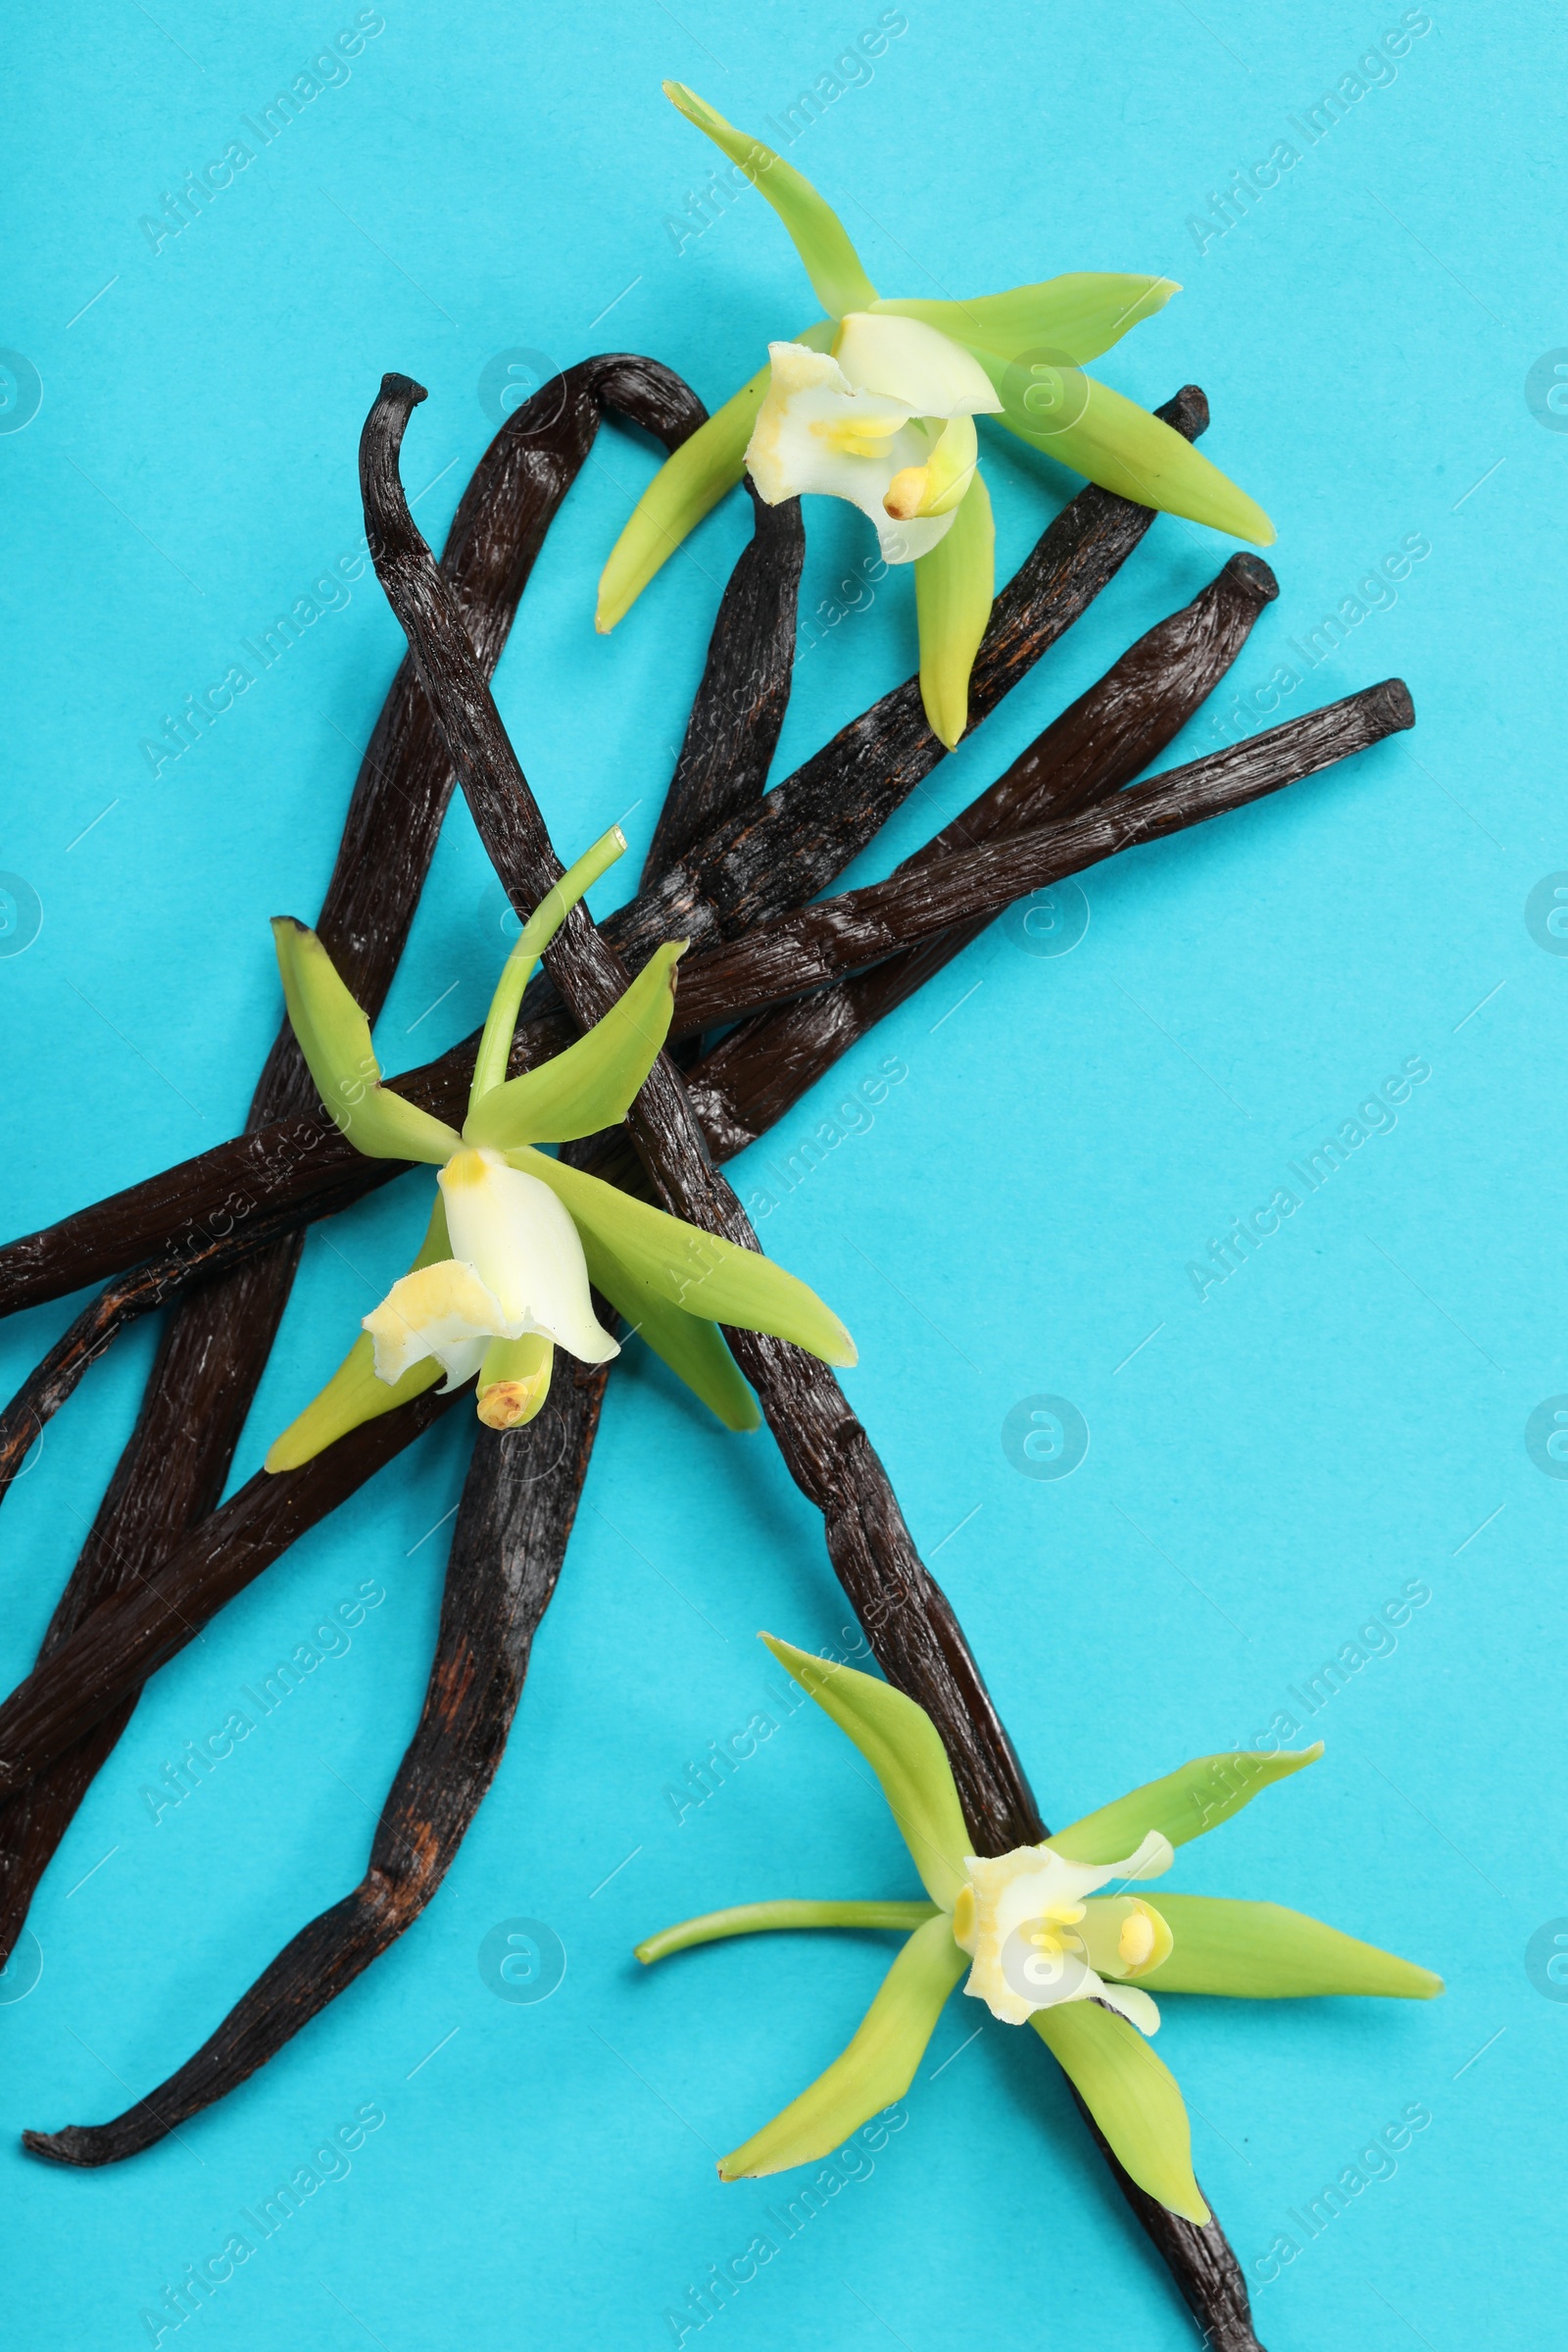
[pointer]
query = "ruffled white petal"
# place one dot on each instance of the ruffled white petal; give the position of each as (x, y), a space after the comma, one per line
(908, 361)
(442, 1312)
(525, 1248)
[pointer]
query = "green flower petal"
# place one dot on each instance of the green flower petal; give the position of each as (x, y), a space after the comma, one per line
(819, 236)
(953, 590)
(1132, 2096)
(495, 1044)
(1196, 1797)
(1260, 1951)
(334, 1038)
(904, 1748)
(354, 1395)
(1124, 449)
(594, 1083)
(756, 1919)
(1080, 315)
(876, 2069)
(694, 1350)
(686, 487)
(698, 1272)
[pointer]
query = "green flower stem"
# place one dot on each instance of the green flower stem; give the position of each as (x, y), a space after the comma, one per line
(759, 1919)
(495, 1044)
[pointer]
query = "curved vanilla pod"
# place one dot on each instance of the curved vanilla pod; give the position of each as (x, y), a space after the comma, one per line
(751, 867)
(216, 1345)
(518, 1501)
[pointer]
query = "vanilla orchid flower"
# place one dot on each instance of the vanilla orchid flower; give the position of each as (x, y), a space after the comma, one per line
(1043, 1945)
(1029, 344)
(886, 422)
(517, 1241)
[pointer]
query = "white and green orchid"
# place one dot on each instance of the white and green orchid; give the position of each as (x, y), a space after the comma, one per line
(1042, 1946)
(876, 403)
(515, 1237)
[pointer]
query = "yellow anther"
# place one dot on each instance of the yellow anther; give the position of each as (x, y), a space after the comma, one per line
(963, 1918)
(1137, 1938)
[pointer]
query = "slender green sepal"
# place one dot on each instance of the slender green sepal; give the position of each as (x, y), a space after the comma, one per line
(904, 1748)
(686, 487)
(1123, 448)
(876, 2069)
(354, 1395)
(694, 1350)
(495, 1044)
(1195, 1798)
(594, 1083)
(1078, 315)
(334, 1038)
(698, 1272)
(759, 1919)
(1133, 2097)
(1262, 1952)
(953, 590)
(816, 232)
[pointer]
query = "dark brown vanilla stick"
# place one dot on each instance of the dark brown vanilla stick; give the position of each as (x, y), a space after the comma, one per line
(219, 1336)
(815, 822)
(518, 1502)
(734, 728)
(912, 1630)
(819, 944)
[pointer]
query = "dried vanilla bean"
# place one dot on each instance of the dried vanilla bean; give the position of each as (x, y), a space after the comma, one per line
(734, 728)
(518, 1502)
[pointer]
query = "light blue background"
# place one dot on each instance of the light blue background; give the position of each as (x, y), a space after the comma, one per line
(1344, 1415)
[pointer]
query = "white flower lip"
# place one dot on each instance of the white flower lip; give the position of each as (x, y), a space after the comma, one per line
(516, 1266)
(1017, 1919)
(848, 426)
